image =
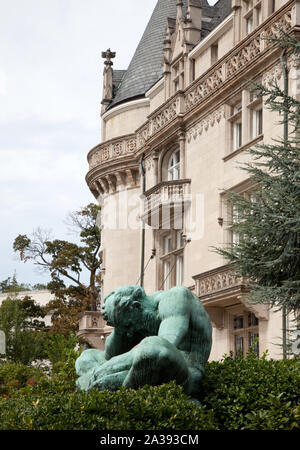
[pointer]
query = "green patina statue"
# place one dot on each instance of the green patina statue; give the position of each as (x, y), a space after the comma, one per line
(158, 338)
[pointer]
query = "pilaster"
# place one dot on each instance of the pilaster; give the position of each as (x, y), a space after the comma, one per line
(236, 8)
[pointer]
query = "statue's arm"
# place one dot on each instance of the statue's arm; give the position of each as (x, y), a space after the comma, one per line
(175, 315)
(118, 343)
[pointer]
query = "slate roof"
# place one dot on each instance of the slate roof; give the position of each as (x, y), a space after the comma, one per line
(145, 68)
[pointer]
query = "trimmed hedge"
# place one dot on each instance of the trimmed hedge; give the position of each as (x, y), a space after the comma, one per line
(14, 376)
(252, 393)
(236, 394)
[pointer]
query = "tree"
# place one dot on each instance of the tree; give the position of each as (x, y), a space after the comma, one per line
(65, 261)
(11, 285)
(268, 224)
(21, 321)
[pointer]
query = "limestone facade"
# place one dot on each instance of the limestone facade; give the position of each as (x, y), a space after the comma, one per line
(190, 130)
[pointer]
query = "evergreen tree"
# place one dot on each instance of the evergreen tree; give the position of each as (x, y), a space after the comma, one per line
(268, 223)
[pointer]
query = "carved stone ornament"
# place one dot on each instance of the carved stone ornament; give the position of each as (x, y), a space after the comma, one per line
(205, 123)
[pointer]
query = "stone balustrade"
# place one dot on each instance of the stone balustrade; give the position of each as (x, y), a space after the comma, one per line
(167, 193)
(216, 280)
(112, 150)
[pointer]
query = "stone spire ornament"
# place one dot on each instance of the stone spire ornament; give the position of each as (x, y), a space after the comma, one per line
(107, 96)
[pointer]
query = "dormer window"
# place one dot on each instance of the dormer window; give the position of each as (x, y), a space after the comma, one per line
(178, 76)
(174, 166)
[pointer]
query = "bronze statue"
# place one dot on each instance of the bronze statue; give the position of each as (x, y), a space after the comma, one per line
(158, 338)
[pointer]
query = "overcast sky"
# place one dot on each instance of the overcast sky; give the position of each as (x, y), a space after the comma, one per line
(50, 93)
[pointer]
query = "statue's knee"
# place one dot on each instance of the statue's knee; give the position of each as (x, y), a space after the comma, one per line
(88, 360)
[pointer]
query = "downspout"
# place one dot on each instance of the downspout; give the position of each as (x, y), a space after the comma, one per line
(143, 225)
(285, 140)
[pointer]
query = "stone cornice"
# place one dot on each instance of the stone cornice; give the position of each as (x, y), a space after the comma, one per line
(123, 107)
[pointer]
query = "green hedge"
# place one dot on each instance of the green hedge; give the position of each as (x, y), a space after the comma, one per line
(14, 376)
(252, 393)
(249, 394)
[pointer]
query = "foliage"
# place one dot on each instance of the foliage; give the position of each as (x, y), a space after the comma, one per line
(11, 285)
(65, 261)
(252, 393)
(150, 408)
(14, 376)
(58, 349)
(268, 224)
(20, 321)
(236, 394)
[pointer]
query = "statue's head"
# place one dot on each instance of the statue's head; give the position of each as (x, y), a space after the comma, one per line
(124, 308)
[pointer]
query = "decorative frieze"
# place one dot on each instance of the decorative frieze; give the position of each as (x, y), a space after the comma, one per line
(205, 123)
(164, 117)
(274, 29)
(273, 75)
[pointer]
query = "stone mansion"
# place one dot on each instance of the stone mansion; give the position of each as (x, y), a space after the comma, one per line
(175, 127)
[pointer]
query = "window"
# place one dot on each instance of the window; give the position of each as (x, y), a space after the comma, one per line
(249, 24)
(166, 275)
(245, 330)
(214, 50)
(256, 115)
(174, 166)
(257, 122)
(167, 244)
(179, 239)
(237, 135)
(171, 257)
(178, 76)
(272, 6)
(258, 15)
(179, 270)
(235, 218)
(252, 15)
(236, 125)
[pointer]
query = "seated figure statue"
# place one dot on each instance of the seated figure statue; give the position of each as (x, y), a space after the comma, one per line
(156, 339)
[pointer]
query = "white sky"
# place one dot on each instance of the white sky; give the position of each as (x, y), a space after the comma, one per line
(50, 93)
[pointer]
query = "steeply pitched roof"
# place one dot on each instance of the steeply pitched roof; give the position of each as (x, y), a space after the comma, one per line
(146, 66)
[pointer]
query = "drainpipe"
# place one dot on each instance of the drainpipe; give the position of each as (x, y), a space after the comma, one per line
(285, 140)
(143, 225)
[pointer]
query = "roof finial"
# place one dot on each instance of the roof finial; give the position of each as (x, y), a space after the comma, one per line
(179, 9)
(108, 55)
(107, 95)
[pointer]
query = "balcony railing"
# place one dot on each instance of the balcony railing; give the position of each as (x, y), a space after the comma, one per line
(221, 288)
(165, 200)
(112, 150)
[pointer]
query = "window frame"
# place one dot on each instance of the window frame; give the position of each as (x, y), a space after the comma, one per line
(171, 168)
(170, 259)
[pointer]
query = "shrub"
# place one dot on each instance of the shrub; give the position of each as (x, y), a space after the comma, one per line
(252, 393)
(14, 376)
(150, 408)
(236, 394)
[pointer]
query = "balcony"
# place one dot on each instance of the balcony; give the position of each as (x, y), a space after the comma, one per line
(166, 203)
(93, 329)
(220, 288)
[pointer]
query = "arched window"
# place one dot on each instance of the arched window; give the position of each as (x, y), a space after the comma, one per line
(174, 166)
